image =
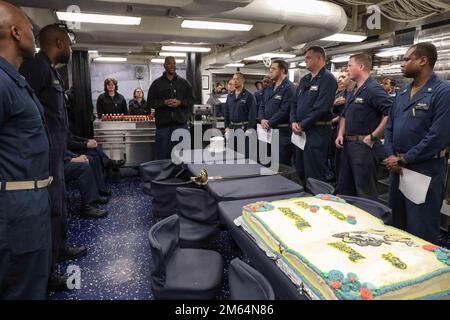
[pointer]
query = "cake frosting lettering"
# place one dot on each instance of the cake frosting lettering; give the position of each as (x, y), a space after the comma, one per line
(339, 251)
(300, 223)
(395, 261)
(353, 255)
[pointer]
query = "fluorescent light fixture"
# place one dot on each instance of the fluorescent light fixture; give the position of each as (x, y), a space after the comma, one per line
(97, 18)
(110, 59)
(210, 25)
(237, 65)
(338, 59)
(271, 55)
(93, 51)
(173, 54)
(302, 64)
(392, 52)
(185, 49)
(345, 37)
(159, 60)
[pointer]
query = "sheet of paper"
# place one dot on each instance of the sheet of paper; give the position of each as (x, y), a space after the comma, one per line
(299, 140)
(264, 135)
(414, 185)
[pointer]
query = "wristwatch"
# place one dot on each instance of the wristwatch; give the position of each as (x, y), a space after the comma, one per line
(374, 138)
(401, 161)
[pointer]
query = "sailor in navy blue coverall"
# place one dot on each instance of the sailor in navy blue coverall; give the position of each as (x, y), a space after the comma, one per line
(240, 112)
(360, 128)
(25, 243)
(45, 80)
(311, 113)
(275, 109)
(417, 135)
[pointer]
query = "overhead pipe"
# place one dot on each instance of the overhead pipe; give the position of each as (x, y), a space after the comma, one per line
(305, 21)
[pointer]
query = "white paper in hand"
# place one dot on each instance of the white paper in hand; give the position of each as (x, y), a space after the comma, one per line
(299, 140)
(263, 134)
(414, 185)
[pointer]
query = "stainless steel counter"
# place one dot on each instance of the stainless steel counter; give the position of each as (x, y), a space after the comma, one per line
(131, 141)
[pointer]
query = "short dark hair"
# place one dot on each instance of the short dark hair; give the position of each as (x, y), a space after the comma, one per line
(318, 50)
(169, 58)
(256, 83)
(110, 80)
(364, 59)
(426, 49)
(391, 81)
(282, 65)
(241, 75)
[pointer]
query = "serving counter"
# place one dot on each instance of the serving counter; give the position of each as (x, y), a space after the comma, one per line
(132, 141)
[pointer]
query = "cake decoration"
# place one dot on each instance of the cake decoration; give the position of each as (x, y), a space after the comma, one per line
(302, 204)
(340, 216)
(395, 261)
(261, 206)
(312, 208)
(330, 197)
(348, 288)
(353, 255)
(300, 223)
(442, 254)
(374, 238)
(374, 261)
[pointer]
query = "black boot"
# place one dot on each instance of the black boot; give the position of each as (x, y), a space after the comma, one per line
(57, 282)
(101, 200)
(104, 192)
(87, 211)
(71, 253)
(115, 164)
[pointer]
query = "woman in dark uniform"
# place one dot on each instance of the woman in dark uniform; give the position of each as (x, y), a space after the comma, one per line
(111, 102)
(138, 106)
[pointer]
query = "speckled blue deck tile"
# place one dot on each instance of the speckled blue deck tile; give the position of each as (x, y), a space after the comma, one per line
(117, 265)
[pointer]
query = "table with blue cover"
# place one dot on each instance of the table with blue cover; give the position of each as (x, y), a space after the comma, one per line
(283, 287)
(261, 186)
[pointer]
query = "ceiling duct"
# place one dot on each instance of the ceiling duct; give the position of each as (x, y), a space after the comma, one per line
(305, 21)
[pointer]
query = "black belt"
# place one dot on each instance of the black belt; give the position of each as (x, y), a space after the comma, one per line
(354, 138)
(323, 123)
(439, 155)
(283, 125)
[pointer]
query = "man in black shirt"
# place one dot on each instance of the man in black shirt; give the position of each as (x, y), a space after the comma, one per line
(171, 97)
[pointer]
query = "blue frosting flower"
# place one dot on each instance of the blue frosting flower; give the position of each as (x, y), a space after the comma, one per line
(442, 256)
(356, 286)
(351, 221)
(348, 295)
(369, 286)
(335, 275)
(345, 288)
